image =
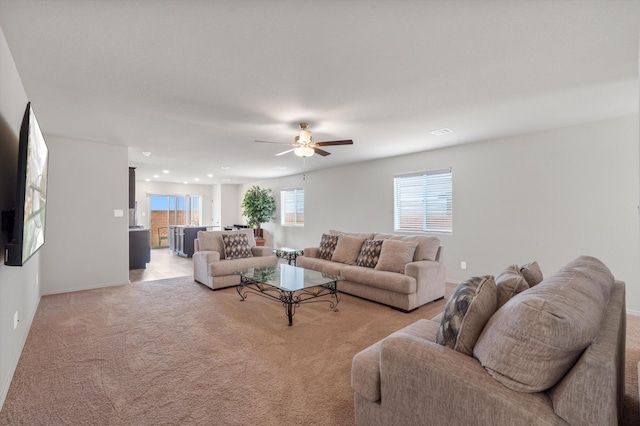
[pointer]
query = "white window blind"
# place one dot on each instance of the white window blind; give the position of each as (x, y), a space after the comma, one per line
(292, 207)
(423, 201)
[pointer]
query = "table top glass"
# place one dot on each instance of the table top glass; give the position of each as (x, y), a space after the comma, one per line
(287, 277)
(288, 250)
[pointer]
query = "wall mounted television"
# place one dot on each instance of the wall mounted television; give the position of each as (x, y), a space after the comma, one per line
(26, 235)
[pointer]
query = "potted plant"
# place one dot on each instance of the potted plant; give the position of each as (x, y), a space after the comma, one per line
(259, 206)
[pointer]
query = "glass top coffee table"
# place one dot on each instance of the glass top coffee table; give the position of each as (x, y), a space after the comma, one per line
(290, 285)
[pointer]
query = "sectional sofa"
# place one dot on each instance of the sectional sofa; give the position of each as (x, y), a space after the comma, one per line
(552, 354)
(402, 271)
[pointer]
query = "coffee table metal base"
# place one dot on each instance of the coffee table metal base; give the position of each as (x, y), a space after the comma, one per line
(291, 299)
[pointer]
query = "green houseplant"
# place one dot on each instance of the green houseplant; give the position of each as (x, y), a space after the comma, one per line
(259, 206)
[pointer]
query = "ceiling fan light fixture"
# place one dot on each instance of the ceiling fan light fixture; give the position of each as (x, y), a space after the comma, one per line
(304, 151)
(304, 137)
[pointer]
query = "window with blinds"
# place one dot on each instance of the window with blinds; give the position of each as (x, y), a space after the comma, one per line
(292, 207)
(423, 201)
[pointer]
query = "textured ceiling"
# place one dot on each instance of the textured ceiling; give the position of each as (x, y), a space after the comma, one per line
(196, 82)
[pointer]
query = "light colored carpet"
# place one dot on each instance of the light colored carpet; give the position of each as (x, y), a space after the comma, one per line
(174, 352)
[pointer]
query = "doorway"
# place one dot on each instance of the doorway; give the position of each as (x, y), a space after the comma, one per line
(170, 210)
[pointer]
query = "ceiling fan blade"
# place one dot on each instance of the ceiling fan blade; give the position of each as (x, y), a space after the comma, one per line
(279, 143)
(284, 152)
(329, 143)
(321, 152)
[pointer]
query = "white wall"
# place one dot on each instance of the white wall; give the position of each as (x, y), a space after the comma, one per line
(87, 246)
(549, 196)
(18, 288)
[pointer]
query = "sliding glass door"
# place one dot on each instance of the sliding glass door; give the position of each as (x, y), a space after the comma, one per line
(167, 210)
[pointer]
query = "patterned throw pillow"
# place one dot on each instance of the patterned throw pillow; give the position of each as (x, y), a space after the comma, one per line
(466, 313)
(327, 246)
(236, 245)
(369, 253)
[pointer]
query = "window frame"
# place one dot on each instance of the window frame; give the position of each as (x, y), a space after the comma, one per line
(296, 192)
(433, 187)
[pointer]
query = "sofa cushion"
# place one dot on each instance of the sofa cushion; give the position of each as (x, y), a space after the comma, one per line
(236, 245)
(211, 241)
(363, 235)
(320, 265)
(390, 281)
(509, 283)
(427, 248)
(369, 253)
(395, 254)
(347, 249)
(327, 246)
(536, 337)
(227, 267)
(467, 311)
(532, 273)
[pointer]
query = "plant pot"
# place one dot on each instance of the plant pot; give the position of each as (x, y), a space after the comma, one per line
(260, 241)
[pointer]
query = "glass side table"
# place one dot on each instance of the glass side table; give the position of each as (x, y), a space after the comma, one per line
(289, 254)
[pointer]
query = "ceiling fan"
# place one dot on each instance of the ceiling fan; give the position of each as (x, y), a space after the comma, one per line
(304, 146)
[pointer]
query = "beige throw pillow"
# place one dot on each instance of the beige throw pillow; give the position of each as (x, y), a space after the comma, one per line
(532, 273)
(467, 311)
(510, 282)
(395, 255)
(347, 249)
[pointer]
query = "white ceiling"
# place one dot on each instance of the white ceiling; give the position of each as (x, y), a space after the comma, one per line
(196, 82)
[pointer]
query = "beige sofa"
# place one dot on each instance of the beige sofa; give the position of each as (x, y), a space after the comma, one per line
(553, 354)
(399, 276)
(212, 265)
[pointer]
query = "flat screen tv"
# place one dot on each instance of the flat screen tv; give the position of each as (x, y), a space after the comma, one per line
(31, 196)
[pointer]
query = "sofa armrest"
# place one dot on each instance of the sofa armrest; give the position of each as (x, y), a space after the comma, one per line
(430, 279)
(423, 382)
(201, 260)
(311, 251)
(260, 251)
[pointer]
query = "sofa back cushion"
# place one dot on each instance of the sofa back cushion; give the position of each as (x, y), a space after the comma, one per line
(466, 313)
(426, 249)
(510, 282)
(536, 337)
(532, 273)
(363, 235)
(212, 240)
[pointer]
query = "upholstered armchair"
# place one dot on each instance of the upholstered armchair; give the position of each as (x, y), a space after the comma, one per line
(220, 253)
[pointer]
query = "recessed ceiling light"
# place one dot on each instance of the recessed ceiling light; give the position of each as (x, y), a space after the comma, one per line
(185, 182)
(146, 153)
(196, 179)
(147, 180)
(166, 171)
(210, 175)
(225, 168)
(156, 176)
(441, 132)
